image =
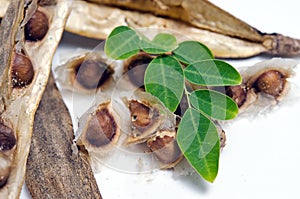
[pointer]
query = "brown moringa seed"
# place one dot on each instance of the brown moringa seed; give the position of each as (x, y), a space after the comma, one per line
(136, 69)
(142, 116)
(37, 27)
(270, 82)
(91, 74)
(7, 138)
(22, 71)
(165, 147)
(101, 128)
(237, 93)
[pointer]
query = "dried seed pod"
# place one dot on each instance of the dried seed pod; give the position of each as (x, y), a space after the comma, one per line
(18, 58)
(100, 130)
(22, 71)
(85, 73)
(135, 68)
(165, 147)
(148, 115)
(37, 27)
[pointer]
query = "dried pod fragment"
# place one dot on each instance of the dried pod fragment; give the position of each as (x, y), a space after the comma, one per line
(22, 71)
(37, 27)
(101, 130)
(166, 149)
(264, 85)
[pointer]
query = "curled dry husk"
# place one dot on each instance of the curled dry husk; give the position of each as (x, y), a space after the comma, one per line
(86, 72)
(18, 104)
(148, 115)
(98, 129)
(254, 99)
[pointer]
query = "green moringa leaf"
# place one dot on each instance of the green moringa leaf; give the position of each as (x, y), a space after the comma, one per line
(164, 79)
(212, 73)
(190, 52)
(214, 104)
(198, 139)
(122, 43)
(161, 43)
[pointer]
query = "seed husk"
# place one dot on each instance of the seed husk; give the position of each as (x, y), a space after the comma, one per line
(166, 149)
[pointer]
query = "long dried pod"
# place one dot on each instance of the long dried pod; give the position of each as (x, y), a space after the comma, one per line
(25, 66)
(55, 169)
(205, 15)
(225, 35)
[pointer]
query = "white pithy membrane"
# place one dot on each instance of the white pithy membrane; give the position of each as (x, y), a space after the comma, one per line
(137, 158)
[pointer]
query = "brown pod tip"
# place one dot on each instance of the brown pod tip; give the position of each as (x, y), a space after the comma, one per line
(102, 128)
(22, 71)
(91, 74)
(37, 27)
(270, 82)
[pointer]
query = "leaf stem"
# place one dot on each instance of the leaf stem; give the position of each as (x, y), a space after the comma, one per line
(187, 93)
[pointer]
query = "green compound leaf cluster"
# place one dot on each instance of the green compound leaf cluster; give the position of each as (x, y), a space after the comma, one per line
(166, 76)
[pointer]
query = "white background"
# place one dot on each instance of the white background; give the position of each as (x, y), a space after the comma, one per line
(261, 158)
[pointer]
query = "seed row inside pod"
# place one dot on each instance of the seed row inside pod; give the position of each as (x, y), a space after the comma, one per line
(29, 36)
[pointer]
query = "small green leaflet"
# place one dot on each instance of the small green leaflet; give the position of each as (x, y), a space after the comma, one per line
(190, 52)
(212, 73)
(164, 79)
(161, 43)
(122, 43)
(198, 139)
(214, 104)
